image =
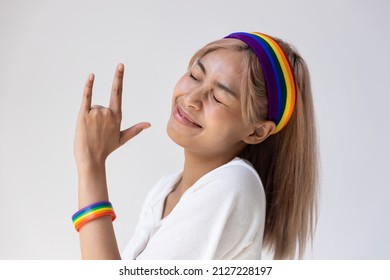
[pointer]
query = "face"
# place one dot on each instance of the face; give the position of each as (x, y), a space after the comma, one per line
(206, 116)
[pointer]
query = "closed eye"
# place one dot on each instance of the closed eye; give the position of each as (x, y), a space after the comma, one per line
(215, 99)
(193, 77)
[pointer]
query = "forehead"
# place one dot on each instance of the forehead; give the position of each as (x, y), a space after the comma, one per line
(222, 63)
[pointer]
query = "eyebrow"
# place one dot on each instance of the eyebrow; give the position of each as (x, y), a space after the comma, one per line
(226, 89)
(218, 84)
(200, 64)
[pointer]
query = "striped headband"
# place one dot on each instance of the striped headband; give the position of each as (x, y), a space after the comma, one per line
(278, 75)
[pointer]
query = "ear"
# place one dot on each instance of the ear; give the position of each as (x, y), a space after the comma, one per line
(260, 132)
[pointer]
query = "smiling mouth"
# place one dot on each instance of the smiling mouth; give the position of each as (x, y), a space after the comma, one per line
(184, 118)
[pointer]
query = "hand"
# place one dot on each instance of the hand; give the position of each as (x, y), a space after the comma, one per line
(98, 131)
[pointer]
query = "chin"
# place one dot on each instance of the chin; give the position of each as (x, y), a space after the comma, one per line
(173, 135)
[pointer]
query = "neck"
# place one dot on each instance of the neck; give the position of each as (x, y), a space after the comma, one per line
(197, 166)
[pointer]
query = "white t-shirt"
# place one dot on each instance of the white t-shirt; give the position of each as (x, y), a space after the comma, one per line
(220, 217)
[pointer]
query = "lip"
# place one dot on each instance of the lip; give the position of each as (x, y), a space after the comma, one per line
(184, 118)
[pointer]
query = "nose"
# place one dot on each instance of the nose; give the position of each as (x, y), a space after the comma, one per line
(194, 98)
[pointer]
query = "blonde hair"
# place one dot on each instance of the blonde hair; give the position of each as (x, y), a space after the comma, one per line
(286, 161)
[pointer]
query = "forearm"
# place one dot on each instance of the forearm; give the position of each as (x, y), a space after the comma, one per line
(97, 237)
(97, 135)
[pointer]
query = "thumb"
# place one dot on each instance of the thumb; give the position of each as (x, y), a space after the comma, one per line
(129, 133)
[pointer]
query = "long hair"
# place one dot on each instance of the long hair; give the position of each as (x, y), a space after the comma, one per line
(286, 161)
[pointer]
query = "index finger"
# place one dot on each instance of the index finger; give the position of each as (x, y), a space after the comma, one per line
(116, 92)
(87, 94)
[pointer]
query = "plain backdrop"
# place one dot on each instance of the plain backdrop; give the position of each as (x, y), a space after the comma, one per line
(48, 48)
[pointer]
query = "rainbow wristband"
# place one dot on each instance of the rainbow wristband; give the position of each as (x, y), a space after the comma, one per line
(92, 212)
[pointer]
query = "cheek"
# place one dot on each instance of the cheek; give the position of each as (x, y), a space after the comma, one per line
(181, 87)
(223, 120)
(226, 123)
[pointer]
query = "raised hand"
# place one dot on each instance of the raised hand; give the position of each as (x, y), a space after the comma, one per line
(97, 135)
(98, 131)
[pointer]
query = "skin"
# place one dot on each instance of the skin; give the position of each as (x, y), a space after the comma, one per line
(97, 135)
(206, 120)
(208, 94)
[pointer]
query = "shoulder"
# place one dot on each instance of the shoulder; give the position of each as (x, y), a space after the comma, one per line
(235, 182)
(240, 171)
(236, 176)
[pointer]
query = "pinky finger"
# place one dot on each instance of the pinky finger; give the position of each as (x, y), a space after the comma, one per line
(87, 94)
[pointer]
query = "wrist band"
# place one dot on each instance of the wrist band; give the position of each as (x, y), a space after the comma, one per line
(92, 212)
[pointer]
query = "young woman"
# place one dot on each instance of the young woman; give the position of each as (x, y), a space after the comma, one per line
(243, 111)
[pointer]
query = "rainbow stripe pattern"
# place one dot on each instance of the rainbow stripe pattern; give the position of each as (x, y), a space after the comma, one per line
(278, 76)
(91, 212)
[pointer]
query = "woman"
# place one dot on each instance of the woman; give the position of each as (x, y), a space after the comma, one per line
(243, 111)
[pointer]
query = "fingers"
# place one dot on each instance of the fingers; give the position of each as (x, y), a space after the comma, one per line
(97, 107)
(87, 94)
(129, 133)
(116, 92)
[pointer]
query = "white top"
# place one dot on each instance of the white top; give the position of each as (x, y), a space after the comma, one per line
(220, 217)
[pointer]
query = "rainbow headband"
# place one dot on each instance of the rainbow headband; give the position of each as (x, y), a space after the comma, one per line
(278, 75)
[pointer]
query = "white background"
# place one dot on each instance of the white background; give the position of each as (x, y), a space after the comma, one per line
(47, 49)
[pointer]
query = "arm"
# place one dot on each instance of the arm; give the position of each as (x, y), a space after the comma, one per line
(98, 135)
